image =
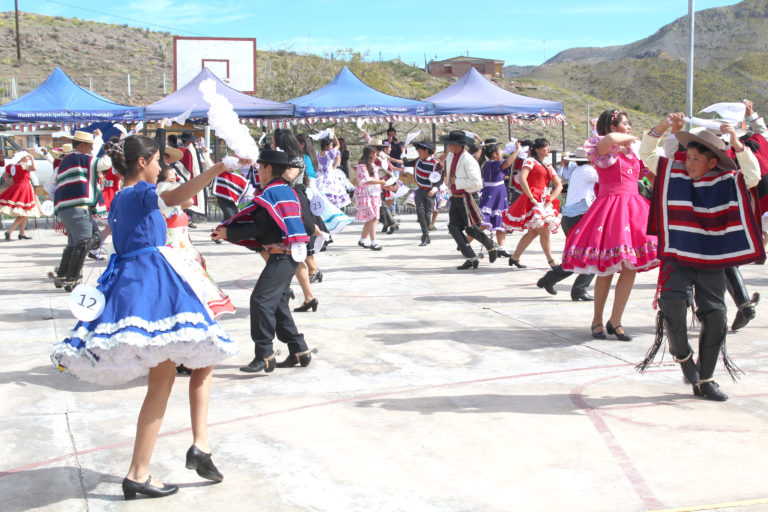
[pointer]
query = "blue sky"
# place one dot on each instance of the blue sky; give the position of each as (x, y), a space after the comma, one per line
(521, 33)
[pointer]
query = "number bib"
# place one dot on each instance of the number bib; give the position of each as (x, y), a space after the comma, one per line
(86, 302)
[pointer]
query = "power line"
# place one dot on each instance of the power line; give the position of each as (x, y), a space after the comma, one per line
(127, 19)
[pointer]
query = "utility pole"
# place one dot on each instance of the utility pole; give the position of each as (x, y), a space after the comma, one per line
(689, 78)
(18, 39)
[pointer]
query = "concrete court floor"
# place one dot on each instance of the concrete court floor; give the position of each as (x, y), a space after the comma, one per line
(432, 390)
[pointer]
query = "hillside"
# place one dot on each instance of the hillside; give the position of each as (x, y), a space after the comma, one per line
(103, 55)
(649, 75)
(721, 34)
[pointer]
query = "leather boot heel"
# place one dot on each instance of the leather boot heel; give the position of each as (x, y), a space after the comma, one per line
(307, 306)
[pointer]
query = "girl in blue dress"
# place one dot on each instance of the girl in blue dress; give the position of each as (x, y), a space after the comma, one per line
(152, 319)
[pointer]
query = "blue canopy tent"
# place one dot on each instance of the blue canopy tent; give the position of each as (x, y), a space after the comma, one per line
(60, 100)
(347, 96)
(475, 94)
(188, 96)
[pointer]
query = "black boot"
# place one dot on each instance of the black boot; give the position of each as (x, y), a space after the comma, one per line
(734, 282)
(301, 358)
(421, 216)
(710, 390)
(675, 322)
(61, 271)
(714, 326)
(76, 262)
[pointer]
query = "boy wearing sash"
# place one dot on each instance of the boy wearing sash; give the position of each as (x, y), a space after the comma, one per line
(706, 218)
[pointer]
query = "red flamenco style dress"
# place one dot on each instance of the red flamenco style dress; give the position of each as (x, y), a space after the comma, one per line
(523, 215)
(110, 186)
(19, 199)
(612, 234)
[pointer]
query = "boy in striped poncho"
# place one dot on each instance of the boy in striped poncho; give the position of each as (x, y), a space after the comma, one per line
(705, 214)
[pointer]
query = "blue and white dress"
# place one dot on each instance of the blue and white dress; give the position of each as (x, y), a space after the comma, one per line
(151, 313)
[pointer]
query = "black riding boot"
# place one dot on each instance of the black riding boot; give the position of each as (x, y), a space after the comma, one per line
(675, 322)
(734, 282)
(714, 326)
(424, 228)
(66, 255)
(77, 261)
(386, 218)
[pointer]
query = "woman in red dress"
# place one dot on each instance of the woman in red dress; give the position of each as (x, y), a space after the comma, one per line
(19, 199)
(535, 211)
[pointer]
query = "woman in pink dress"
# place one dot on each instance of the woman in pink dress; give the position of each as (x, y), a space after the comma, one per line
(534, 211)
(611, 237)
(368, 198)
(19, 199)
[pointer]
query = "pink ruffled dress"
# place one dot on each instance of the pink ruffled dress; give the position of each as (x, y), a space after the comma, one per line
(612, 234)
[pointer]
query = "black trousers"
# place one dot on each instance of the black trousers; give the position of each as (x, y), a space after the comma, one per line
(707, 286)
(557, 274)
(425, 206)
(228, 209)
(270, 314)
(457, 226)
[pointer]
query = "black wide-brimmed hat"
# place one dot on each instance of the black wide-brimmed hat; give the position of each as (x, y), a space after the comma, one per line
(271, 156)
(457, 137)
(489, 142)
(423, 145)
(710, 141)
(187, 136)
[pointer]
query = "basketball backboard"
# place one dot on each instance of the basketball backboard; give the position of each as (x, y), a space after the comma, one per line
(233, 60)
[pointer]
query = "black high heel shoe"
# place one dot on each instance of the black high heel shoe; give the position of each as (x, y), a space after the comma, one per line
(24, 237)
(8, 236)
(317, 277)
(515, 263)
(598, 335)
(307, 306)
(131, 488)
(612, 330)
(201, 461)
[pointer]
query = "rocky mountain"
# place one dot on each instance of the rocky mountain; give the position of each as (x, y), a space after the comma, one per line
(721, 34)
(731, 54)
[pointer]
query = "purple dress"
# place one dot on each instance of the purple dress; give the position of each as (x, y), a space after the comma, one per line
(329, 180)
(494, 200)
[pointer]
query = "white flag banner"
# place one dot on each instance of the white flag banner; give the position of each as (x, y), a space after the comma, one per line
(182, 118)
(706, 123)
(411, 136)
(731, 112)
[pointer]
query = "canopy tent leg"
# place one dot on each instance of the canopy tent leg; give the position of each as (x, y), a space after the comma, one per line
(434, 135)
(562, 126)
(509, 128)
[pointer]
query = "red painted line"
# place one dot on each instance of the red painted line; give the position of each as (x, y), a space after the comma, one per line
(643, 490)
(355, 398)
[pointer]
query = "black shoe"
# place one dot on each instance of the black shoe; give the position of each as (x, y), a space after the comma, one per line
(307, 306)
(612, 330)
(582, 297)
(710, 390)
(24, 237)
(7, 236)
(183, 370)
(317, 277)
(473, 263)
(425, 240)
(515, 263)
(743, 316)
(131, 488)
(267, 365)
(361, 244)
(391, 230)
(302, 358)
(201, 461)
(217, 242)
(544, 283)
(375, 247)
(598, 335)
(492, 255)
(501, 253)
(192, 225)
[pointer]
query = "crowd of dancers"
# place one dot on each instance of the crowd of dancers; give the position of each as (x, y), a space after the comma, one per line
(691, 208)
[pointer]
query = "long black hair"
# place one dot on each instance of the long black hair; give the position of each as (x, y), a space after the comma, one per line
(609, 118)
(538, 144)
